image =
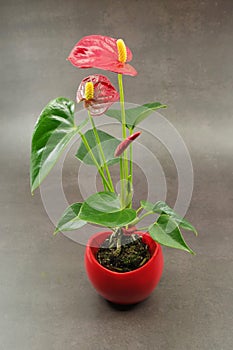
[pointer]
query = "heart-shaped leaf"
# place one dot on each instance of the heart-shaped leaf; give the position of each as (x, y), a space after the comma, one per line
(166, 232)
(70, 220)
(103, 208)
(108, 143)
(53, 131)
(136, 115)
(106, 202)
(162, 208)
(114, 219)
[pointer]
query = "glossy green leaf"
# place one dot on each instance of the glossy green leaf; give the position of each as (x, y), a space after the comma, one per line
(53, 131)
(107, 202)
(70, 220)
(116, 219)
(109, 145)
(166, 232)
(148, 206)
(103, 209)
(136, 115)
(162, 208)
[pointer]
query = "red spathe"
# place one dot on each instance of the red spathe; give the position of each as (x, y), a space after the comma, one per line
(98, 51)
(104, 94)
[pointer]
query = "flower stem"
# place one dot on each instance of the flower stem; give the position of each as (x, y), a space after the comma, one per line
(124, 167)
(101, 152)
(104, 185)
(131, 164)
(86, 144)
(122, 187)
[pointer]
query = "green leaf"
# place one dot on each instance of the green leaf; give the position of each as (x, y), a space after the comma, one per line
(136, 115)
(161, 208)
(166, 232)
(104, 209)
(53, 131)
(70, 220)
(109, 145)
(115, 219)
(148, 206)
(107, 202)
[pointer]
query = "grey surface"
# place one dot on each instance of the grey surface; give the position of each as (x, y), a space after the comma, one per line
(183, 51)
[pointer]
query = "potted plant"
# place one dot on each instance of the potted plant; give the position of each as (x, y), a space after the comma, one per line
(124, 262)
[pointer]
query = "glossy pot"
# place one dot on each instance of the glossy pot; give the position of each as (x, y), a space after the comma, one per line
(128, 287)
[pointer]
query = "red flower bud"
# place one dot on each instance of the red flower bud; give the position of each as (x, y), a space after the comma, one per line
(125, 143)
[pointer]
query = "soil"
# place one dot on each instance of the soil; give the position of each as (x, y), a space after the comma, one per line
(123, 252)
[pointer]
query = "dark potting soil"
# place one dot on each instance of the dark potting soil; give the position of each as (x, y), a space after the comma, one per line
(123, 253)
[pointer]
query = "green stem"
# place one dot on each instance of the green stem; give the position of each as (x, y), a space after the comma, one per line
(137, 220)
(104, 186)
(121, 183)
(131, 164)
(122, 101)
(124, 173)
(101, 152)
(145, 228)
(139, 209)
(86, 144)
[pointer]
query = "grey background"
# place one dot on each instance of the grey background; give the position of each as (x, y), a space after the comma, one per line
(183, 52)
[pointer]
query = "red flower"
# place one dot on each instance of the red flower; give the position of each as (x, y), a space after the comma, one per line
(98, 94)
(103, 52)
(125, 143)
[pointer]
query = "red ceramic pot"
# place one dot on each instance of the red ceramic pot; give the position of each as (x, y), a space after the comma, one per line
(127, 287)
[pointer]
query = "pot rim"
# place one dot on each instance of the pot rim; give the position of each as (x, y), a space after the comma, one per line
(128, 273)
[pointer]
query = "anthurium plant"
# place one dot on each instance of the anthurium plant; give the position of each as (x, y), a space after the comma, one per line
(56, 127)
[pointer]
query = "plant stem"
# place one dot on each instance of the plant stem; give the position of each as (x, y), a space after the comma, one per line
(122, 187)
(142, 228)
(122, 101)
(139, 209)
(101, 152)
(137, 220)
(86, 144)
(131, 165)
(124, 168)
(104, 186)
